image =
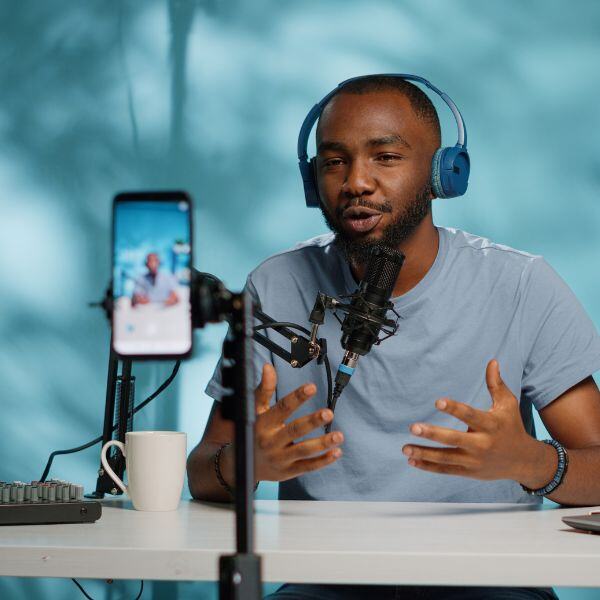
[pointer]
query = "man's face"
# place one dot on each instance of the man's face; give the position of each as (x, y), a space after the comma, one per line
(153, 263)
(373, 170)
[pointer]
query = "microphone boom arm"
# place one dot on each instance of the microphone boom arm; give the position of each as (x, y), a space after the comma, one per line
(303, 350)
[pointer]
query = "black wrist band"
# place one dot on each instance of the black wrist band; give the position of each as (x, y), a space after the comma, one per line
(563, 463)
(217, 464)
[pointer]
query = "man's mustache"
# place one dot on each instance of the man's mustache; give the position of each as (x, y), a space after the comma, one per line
(382, 207)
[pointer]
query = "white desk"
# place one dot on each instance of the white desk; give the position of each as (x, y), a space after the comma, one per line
(329, 542)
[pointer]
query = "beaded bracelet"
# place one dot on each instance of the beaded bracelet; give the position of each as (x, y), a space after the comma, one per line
(217, 464)
(563, 463)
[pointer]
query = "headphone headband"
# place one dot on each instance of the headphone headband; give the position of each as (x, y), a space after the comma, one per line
(448, 162)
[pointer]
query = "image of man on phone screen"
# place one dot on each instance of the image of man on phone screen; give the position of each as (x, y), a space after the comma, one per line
(155, 286)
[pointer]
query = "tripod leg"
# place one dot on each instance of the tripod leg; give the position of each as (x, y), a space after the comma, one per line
(239, 577)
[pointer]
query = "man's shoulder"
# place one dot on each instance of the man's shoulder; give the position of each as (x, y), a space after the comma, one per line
(490, 263)
(306, 254)
(469, 246)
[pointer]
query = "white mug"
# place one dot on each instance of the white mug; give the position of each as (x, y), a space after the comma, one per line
(155, 463)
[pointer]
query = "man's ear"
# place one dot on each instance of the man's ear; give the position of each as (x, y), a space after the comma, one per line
(430, 193)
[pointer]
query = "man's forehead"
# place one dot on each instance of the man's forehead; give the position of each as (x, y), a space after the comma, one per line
(372, 140)
(371, 115)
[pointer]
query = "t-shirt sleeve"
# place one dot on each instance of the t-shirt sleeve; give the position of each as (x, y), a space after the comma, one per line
(260, 356)
(139, 288)
(559, 342)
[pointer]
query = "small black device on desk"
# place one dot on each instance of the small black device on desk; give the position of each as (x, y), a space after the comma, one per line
(38, 503)
(589, 522)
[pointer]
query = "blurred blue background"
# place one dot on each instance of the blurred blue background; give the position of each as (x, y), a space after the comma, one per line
(208, 96)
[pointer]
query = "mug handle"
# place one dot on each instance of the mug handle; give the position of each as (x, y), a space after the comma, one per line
(106, 466)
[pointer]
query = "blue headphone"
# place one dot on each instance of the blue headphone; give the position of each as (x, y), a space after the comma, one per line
(449, 168)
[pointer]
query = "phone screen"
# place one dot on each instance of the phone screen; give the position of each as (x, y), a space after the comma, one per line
(152, 261)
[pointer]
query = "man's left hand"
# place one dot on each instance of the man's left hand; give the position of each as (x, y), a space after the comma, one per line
(495, 445)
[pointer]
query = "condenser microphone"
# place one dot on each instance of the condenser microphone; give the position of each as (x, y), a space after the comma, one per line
(370, 303)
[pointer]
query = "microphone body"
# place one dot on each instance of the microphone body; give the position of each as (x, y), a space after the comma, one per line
(362, 325)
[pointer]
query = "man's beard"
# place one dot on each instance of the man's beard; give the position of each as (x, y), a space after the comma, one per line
(357, 251)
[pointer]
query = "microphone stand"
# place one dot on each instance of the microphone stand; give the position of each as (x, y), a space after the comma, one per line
(118, 408)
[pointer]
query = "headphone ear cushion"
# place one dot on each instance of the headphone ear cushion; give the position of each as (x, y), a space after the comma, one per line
(315, 183)
(450, 168)
(436, 182)
(309, 181)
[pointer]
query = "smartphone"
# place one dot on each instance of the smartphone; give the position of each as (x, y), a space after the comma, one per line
(151, 275)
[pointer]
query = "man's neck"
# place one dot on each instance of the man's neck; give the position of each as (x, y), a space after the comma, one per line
(420, 250)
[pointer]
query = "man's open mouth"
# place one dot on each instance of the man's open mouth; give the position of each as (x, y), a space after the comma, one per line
(361, 219)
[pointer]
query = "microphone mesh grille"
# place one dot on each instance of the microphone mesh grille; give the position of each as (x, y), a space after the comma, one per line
(383, 268)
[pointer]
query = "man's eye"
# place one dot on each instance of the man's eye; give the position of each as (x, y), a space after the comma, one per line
(333, 162)
(388, 157)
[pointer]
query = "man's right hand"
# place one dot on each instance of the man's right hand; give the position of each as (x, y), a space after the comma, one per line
(277, 457)
(139, 299)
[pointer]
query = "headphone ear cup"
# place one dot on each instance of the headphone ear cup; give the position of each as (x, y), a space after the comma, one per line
(450, 168)
(315, 182)
(309, 181)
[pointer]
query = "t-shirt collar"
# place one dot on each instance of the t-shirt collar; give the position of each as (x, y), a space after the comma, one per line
(419, 289)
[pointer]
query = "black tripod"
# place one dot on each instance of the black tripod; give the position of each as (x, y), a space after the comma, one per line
(240, 573)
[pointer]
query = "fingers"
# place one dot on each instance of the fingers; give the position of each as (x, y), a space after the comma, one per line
(477, 420)
(288, 404)
(446, 436)
(440, 456)
(498, 389)
(313, 464)
(301, 426)
(266, 388)
(439, 468)
(315, 446)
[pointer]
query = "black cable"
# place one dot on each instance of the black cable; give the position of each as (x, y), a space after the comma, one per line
(334, 398)
(81, 589)
(97, 440)
(90, 598)
(329, 382)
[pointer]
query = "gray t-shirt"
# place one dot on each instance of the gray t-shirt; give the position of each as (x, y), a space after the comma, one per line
(156, 289)
(478, 301)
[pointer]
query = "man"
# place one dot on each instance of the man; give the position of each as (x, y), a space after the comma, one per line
(485, 333)
(155, 286)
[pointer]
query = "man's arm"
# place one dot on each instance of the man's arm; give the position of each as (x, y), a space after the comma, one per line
(573, 419)
(139, 299)
(139, 295)
(172, 299)
(496, 445)
(277, 454)
(202, 479)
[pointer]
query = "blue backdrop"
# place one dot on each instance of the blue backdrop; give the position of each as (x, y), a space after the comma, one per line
(208, 96)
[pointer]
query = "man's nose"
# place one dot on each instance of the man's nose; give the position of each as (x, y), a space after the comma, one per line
(359, 180)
